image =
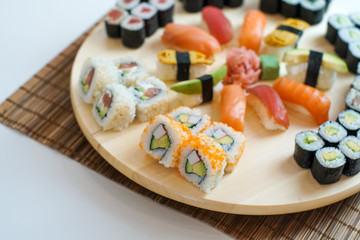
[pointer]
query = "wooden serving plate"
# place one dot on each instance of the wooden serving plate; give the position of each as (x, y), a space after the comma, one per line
(267, 180)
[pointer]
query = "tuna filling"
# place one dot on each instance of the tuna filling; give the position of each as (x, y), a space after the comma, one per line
(104, 103)
(146, 94)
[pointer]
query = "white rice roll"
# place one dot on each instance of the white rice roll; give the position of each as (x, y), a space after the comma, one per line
(298, 72)
(95, 74)
(191, 118)
(203, 162)
(163, 138)
(115, 108)
(151, 98)
(231, 141)
(130, 70)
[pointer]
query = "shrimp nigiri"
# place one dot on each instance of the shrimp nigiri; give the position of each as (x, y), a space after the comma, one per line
(190, 38)
(310, 98)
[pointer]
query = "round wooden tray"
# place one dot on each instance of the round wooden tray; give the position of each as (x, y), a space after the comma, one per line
(267, 180)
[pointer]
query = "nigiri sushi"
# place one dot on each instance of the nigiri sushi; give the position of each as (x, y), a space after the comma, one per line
(190, 38)
(252, 30)
(233, 106)
(218, 25)
(310, 98)
(268, 106)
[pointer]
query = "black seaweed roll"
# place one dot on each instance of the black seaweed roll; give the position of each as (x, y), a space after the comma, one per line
(355, 17)
(233, 3)
(113, 21)
(128, 5)
(270, 6)
(353, 57)
(290, 8)
(335, 23)
(352, 100)
(148, 13)
(306, 144)
(133, 32)
(193, 5)
(165, 11)
(312, 11)
(350, 120)
(328, 165)
(332, 133)
(350, 147)
(215, 3)
(346, 36)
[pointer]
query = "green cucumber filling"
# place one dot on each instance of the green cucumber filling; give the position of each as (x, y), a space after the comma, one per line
(341, 20)
(194, 165)
(330, 156)
(87, 79)
(160, 138)
(331, 130)
(223, 138)
(353, 146)
(350, 118)
(354, 34)
(310, 138)
(188, 119)
(146, 93)
(104, 103)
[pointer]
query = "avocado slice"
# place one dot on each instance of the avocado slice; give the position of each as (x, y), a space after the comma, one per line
(226, 140)
(331, 130)
(353, 146)
(310, 138)
(102, 111)
(199, 169)
(162, 142)
(329, 61)
(85, 88)
(142, 97)
(184, 117)
(330, 156)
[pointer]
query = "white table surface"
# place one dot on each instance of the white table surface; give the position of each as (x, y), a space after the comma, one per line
(45, 195)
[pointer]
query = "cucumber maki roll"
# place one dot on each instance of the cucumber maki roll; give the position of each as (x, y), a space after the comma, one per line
(350, 120)
(130, 70)
(233, 3)
(332, 133)
(113, 21)
(270, 6)
(148, 14)
(344, 38)
(290, 8)
(306, 144)
(202, 162)
(350, 147)
(94, 75)
(352, 100)
(163, 139)
(115, 108)
(151, 98)
(335, 23)
(353, 57)
(127, 4)
(312, 11)
(191, 118)
(356, 83)
(165, 11)
(233, 143)
(355, 18)
(328, 165)
(133, 32)
(193, 5)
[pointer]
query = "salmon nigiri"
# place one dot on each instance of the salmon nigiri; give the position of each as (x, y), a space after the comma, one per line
(190, 38)
(268, 105)
(252, 30)
(310, 98)
(233, 106)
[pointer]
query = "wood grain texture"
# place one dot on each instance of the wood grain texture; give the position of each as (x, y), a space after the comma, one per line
(267, 179)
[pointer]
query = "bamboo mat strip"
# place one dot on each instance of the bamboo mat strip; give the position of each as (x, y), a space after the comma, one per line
(41, 109)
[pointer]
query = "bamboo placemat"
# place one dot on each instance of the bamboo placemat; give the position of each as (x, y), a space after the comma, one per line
(41, 109)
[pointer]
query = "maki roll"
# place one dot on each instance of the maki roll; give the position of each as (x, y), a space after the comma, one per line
(128, 5)
(335, 23)
(94, 75)
(350, 120)
(352, 100)
(306, 144)
(350, 147)
(270, 6)
(344, 38)
(165, 10)
(233, 143)
(215, 3)
(193, 5)
(312, 11)
(328, 165)
(355, 18)
(332, 133)
(130, 70)
(133, 32)
(151, 98)
(163, 139)
(191, 118)
(181, 65)
(148, 13)
(113, 20)
(202, 162)
(115, 108)
(290, 8)
(353, 57)
(356, 83)
(233, 3)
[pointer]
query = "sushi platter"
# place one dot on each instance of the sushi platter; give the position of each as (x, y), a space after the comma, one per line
(267, 180)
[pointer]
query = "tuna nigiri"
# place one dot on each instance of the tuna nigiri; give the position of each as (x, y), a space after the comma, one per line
(252, 30)
(218, 25)
(268, 105)
(310, 98)
(233, 106)
(190, 38)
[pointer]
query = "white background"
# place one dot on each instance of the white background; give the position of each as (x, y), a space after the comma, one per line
(45, 195)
